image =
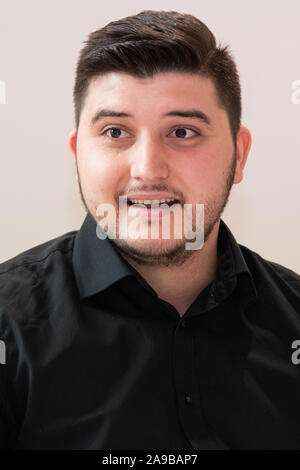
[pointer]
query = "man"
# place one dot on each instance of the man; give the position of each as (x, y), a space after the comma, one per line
(126, 342)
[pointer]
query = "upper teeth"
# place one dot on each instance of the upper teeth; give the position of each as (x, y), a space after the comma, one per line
(149, 201)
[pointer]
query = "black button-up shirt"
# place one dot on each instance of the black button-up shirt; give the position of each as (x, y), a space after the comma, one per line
(94, 359)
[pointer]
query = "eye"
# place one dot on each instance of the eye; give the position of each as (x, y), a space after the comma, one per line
(113, 132)
(182, 132)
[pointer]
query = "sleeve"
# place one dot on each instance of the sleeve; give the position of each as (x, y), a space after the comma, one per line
(14, 284)
(8, 367)
(7, 421)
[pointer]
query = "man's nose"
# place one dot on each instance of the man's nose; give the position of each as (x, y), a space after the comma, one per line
(148, 160)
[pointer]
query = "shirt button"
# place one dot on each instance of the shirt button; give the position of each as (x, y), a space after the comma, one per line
(183, 323)
(188, 399)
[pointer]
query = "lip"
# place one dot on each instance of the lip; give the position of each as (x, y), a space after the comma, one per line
(151, 196)
(148, 213)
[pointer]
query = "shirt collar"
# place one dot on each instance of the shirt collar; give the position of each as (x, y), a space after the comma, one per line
(232, 267)
(97, 263)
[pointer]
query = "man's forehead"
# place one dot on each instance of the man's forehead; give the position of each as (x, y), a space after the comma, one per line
(121, 89)
(121, 80)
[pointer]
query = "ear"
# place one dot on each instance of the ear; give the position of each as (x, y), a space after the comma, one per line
(72, 142)
(72, 146)
(243, 144)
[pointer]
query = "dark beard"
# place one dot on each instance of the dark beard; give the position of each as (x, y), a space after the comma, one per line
(178, 255)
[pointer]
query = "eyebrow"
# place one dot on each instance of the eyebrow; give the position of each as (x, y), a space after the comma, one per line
(189, 113)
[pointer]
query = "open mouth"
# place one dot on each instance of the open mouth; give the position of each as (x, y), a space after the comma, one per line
(152, 204)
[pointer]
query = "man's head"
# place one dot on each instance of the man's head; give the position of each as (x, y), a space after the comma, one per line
(174, 130)
(159, 41)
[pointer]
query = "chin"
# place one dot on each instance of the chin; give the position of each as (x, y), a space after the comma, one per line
(159, 246)
(154, 252)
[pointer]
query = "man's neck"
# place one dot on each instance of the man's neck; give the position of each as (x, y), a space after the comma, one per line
(180, 285)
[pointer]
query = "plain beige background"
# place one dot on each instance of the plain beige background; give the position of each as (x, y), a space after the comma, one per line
(39, 45)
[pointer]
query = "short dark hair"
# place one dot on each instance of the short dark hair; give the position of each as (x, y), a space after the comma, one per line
(159, 41)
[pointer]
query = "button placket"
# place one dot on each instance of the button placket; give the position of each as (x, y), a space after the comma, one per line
(189, 407)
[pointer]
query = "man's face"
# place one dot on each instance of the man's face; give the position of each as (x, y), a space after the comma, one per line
(155, 153)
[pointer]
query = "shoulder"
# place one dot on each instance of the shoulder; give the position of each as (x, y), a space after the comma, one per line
(24, 277)
(38, 254)
(267, 273)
